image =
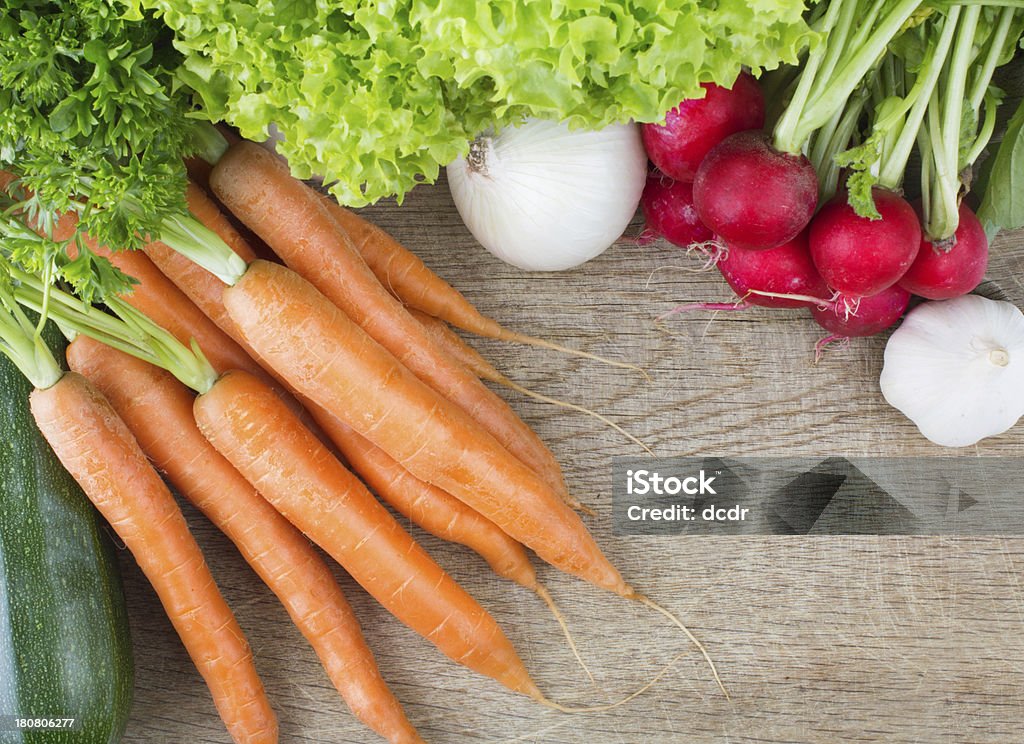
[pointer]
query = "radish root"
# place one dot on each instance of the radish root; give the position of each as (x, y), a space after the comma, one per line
(685, 269)
(642, 239)
(819, 348)
(819, 301)
(713, 251)
(740, 304)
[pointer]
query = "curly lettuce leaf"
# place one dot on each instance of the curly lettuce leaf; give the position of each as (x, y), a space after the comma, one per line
(377, 95)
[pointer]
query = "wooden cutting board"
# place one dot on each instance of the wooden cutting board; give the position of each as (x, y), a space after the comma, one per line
(909, 639)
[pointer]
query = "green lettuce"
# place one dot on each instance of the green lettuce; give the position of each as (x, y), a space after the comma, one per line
(377, 95)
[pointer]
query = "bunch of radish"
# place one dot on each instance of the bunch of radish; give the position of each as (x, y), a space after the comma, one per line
(813, 214)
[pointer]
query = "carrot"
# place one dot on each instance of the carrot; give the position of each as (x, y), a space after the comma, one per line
(100, 452)
(158, 411)
(250, 426)
(301, 231)
(470, 358)
(411, 281)
(198, 284)
(198, 170)
(327, 358)
(439, 513)
(157, 297)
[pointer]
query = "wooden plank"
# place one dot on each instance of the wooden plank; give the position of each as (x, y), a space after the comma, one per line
(819, 640)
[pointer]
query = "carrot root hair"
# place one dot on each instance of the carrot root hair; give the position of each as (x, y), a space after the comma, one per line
(545, 595)
(693, 639)
(611, 706)
(548, 703)
(521, 338)
(572, 407)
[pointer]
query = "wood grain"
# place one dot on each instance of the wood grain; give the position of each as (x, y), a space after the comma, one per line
(819, 640)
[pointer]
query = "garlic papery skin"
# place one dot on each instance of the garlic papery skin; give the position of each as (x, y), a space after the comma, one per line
(543, 197)
(956, 369)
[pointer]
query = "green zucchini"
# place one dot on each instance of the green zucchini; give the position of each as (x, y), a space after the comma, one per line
(65, 651)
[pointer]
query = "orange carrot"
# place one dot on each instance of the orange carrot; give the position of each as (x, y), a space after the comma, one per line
(329, 359)
(202, 287)
(162, 301)
(411, 281)
(158, 411)
(100, 452)
(472, 360)
(425, 505)
(157, 297)
(250, 426)
(301, 231)
(439, 513)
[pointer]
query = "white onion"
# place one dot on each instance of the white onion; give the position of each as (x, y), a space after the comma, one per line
(544, 198)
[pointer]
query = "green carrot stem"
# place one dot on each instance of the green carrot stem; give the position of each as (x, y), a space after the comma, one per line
(20, 343)
(209, 143)
(189, 237)
(131, 331)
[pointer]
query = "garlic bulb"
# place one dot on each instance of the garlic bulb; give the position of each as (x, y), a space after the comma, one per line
(956, 369)
(544, 198)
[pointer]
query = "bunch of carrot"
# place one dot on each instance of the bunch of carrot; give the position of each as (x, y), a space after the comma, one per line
(299, 363)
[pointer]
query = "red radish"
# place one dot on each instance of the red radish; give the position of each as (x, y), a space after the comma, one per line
(753, 196)
(858, 256)
(692, 128)
(784, 270)
(669, 211)
(847, 316)
(942, 272)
